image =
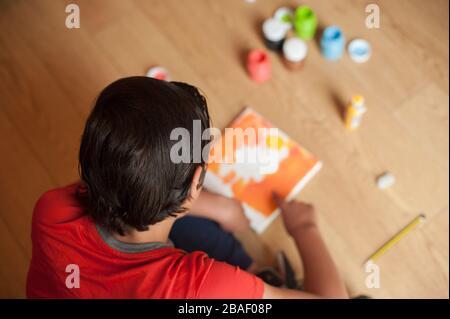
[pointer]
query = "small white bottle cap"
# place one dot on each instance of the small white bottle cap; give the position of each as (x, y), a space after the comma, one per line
(285, 15)
(295, 50)
(159, 73)
(385, 180)
(359, 50)
(274, 30)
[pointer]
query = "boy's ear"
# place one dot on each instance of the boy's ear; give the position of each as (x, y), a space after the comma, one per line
(197, 181)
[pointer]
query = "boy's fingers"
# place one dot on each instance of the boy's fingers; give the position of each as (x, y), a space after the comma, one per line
(277, 199)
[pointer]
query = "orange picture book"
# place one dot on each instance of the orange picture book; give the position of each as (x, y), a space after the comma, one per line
(251, 159)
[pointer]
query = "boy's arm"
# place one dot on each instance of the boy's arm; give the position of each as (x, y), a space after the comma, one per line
(225, 211)
(321, 276)
(320, 272)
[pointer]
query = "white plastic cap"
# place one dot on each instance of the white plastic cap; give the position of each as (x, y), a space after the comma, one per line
(280, 15)
(295, 50)
(158, 72)
(274, 30)
(283, 11)
(359, 50)
(385, 180)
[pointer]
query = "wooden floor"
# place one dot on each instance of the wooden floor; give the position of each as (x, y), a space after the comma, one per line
(50, 76)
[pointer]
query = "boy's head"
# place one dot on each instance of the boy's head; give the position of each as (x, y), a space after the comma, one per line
(125, 160)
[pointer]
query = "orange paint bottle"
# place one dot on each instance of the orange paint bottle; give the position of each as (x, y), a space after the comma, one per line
(355, 112)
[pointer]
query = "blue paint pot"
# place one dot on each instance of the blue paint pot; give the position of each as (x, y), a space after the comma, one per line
(332, 43)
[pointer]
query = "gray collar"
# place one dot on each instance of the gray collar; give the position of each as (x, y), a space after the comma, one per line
(127, 247)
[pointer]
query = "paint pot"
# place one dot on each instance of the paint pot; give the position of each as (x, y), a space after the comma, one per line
(258, 65)
(359, 50)
(332, 43)
(274, 32)
(295, 51)
(305, 22)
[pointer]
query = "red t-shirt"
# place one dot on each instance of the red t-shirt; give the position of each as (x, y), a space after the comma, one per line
(63, 235)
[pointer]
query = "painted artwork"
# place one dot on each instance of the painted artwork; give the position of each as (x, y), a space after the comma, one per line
(255, 160)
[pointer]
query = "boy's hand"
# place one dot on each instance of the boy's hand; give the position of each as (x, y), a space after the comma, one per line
(296, 215)
(321, 276)
(230, 215)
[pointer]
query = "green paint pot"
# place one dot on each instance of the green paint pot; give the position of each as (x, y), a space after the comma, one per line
(305, 22)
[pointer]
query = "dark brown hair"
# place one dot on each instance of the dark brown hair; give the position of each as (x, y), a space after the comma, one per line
(124, 157)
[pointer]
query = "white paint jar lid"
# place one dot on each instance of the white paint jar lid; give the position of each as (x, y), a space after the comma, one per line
(295, 50)
(385, 180)
(359, 50)
(281, 14)
(274, 30)
(159, 73)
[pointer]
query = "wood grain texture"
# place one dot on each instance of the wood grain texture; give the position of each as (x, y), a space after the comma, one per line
(50, 76)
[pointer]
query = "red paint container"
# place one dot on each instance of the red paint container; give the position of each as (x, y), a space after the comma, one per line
(258, 65)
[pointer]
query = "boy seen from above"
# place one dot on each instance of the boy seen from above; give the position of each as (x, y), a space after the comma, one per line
(138, 225)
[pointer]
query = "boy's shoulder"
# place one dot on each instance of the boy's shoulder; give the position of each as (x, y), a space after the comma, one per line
(58, 205)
